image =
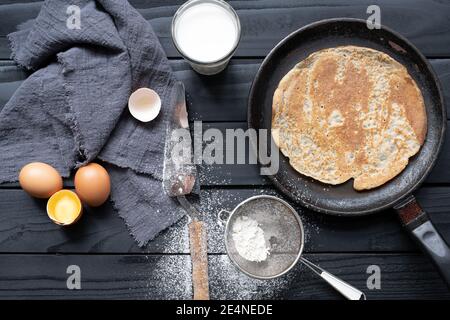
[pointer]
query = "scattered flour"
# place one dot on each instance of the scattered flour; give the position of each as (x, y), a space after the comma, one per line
(226, 282)
(249, 239)
(169, 276)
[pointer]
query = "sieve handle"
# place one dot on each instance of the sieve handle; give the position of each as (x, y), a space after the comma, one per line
(343, 287)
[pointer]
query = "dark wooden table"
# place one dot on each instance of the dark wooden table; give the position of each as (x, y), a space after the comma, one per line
(35, 253)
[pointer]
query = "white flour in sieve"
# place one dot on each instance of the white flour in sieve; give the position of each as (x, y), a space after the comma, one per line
(249, 239)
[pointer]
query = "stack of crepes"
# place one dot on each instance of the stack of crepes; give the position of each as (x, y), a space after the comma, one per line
(72, 110)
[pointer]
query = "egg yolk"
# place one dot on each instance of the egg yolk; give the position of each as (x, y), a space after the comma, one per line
(64, 207)
(65, 210)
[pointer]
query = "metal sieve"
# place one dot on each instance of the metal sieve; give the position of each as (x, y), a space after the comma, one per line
(283, 235)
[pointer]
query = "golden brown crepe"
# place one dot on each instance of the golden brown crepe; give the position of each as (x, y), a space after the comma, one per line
(349, 112)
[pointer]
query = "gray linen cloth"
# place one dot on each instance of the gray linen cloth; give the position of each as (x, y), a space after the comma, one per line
(73, 107)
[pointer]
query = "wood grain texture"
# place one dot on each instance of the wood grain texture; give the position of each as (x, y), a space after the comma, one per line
(223, 98)
(265, 23)
(219, 98)
(403, 276)
(35, 253)
(102, 277)
(249, 174)
(25, 227)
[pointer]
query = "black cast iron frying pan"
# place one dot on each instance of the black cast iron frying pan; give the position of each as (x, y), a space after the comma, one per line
(343, 200)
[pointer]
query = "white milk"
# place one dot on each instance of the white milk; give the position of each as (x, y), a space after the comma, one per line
(206, 32)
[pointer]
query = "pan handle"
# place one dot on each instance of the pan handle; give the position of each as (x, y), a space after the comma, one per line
(417, 222)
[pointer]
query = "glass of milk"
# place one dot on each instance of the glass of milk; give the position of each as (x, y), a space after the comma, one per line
(206, 33)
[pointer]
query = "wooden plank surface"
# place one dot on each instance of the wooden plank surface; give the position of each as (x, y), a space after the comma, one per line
(224, 102)
(249, 174)
(220, 98)
(220, 94)
(264, 23)
(25, 227)
(33, 276)
(34, 253)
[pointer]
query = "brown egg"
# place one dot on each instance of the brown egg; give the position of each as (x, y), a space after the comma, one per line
(92, 184)
(40, 180)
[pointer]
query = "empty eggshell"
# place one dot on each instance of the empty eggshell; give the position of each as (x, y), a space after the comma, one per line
(144, 104)
(40, 180)
(92, 184)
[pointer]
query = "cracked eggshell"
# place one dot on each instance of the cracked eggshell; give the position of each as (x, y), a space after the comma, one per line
(144, 104)
(64, 207)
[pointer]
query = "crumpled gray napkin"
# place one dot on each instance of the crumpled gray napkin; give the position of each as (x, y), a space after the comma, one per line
(73, 108)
